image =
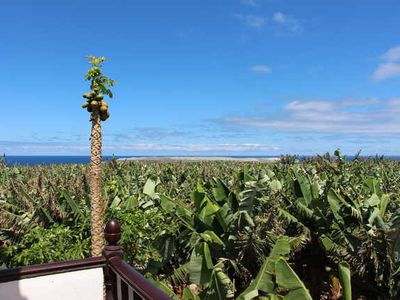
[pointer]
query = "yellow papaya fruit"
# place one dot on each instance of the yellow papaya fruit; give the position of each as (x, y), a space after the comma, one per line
(87, 95)
(85, 104)
(94, 104)
(103, 108)
(99, 97)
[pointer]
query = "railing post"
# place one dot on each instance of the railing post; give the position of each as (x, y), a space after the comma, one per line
(112, 234)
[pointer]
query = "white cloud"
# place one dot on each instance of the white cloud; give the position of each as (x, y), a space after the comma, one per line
(351, 102)
(278, 21)
(391, 67)
(392, 55)
(193, 147)
(362, 116)
(261, 69)
(253, 21)
(147, 133)
(149, 148)
(30, 148)
(386, 70)
(287, 21)
(310, 105)
(252, 3)
(279, 18)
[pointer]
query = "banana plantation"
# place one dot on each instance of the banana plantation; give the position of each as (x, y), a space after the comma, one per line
(323, 228)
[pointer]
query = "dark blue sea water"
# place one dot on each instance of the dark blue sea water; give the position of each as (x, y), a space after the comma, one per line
(48, 160)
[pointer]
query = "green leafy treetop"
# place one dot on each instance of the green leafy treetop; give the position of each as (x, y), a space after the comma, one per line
(99, 84)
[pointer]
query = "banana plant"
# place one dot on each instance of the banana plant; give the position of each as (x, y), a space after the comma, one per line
(209, 235)
(276, 279)
(354, 231)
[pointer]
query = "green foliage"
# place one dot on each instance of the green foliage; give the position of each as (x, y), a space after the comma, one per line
(264, 280)
(96, 77)
(41, 245)
(345, 279)
(139, 229)
(276, 279)
(325, 227)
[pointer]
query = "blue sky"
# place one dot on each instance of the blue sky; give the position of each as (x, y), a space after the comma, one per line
(237, 77)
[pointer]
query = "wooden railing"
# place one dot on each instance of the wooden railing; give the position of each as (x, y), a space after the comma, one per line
(122, 281)
(19, 273)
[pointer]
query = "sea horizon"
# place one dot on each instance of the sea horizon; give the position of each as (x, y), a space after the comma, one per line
(32, 160)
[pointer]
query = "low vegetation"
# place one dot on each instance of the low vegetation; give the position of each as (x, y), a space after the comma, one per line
(324, 228)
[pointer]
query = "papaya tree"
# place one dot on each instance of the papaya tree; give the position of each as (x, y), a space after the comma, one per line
(98, 109)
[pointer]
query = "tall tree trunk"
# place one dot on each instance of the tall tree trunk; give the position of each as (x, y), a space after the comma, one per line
(96, 201)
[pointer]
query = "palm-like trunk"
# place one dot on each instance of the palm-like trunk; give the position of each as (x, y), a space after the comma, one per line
(96, 200)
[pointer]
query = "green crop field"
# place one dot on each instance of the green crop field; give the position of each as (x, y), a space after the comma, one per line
(322, 228)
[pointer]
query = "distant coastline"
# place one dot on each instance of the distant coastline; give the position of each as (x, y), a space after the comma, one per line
(200, 158)
(26, 160)
(33, 160)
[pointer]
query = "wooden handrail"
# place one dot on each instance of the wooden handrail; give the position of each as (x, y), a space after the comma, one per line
(51, 268)
(136, 281)
(122, 281)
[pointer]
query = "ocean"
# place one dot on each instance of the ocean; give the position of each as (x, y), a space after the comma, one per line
(49, 160)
